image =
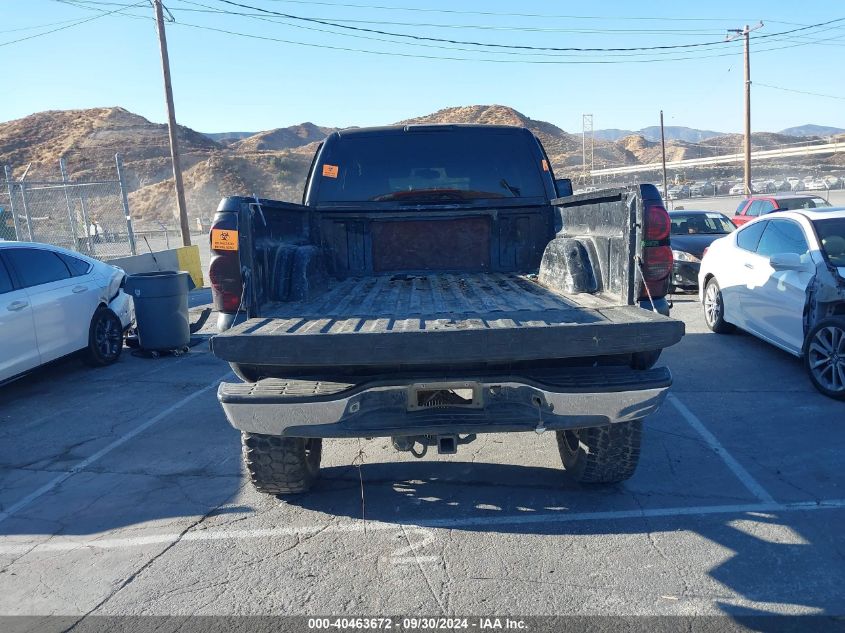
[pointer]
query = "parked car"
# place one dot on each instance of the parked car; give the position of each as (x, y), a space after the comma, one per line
(756, 206)
(782, 278)
(55, 302)
(798, 185)
(678, 192)
(691, 233)
(695, 189)
(738, 189)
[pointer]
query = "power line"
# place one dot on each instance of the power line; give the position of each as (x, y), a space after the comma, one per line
(291, 16)
(492, 27)
(275, 20)
(477, 59)
(62, 28)
(803, 92)
(519, 15)
(436, 57)
(339, 24)
(516, 46)
(38, 26)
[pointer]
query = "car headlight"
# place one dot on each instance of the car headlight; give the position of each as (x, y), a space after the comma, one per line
(681, 256)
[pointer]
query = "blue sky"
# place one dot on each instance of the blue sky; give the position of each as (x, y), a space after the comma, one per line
(225, 82)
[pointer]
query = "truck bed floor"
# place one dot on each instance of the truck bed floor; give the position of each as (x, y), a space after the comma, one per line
(437, 318)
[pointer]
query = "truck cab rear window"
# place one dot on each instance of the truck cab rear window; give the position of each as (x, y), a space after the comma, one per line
(424, 167)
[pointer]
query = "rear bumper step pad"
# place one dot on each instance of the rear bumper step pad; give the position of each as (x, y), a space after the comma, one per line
(571, 399)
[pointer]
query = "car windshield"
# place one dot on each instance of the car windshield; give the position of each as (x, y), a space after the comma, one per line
(706, 223)
(831, 234)
(430, 167)
(810, 202)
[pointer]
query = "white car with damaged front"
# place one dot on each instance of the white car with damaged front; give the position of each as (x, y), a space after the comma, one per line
(782, 278)
(55, 302)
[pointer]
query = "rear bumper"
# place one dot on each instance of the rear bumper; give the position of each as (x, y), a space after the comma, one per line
(123, 306)
(685, 275)
(574, 398)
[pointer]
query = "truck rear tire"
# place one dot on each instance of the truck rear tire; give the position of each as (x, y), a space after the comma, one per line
(602, 454)
(281, 465)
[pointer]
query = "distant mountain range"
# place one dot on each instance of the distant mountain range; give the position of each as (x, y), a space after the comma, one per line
(274, 163)
(693, 135)
(812, 130)
(227, 137)
(652, 133)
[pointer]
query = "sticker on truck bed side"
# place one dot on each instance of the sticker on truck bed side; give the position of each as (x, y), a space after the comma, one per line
(545, 164)
(330, 171)
(224, 240)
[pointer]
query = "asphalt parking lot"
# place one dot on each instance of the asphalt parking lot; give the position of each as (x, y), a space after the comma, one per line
(122, 492)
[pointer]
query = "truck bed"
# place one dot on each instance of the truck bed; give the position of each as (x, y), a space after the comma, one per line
(420, 319)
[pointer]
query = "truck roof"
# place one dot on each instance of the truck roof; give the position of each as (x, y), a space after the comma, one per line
(425, 127)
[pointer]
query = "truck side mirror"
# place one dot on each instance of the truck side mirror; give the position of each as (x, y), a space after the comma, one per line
(563, 187)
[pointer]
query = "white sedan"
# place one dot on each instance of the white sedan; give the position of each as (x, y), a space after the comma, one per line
(55, 302)
(782, 278)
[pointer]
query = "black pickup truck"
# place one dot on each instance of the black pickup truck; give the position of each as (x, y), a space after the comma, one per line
(437, 282)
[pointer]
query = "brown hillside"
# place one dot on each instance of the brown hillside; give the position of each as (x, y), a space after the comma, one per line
(273, 163)
(645, 151)
(283, 138)
(564, 149)
(89, 138)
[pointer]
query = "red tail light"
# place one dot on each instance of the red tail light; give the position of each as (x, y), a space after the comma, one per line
(657, 262)
(657, 224)
(225, 277)
(657, 257)
(224, 271)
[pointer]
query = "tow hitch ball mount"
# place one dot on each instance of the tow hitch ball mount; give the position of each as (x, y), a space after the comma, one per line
(446, 444)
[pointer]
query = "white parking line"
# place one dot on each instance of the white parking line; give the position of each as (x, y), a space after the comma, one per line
(18, 545)
(50, 485)
(743, 475)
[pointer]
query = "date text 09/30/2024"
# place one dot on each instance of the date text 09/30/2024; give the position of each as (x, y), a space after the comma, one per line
(421, 623)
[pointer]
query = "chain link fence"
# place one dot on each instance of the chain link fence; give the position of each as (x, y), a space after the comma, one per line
(89, 217)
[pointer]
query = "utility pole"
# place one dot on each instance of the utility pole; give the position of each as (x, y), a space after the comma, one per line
(171, 126)
(736, 34)
(663, 150)
(587, 151)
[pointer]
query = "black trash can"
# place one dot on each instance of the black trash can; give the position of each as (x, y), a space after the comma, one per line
(161, 309)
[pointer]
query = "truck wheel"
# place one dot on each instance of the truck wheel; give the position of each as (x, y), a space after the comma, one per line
(824, 357)
(714, 309)
(281, 465)
(601, 454)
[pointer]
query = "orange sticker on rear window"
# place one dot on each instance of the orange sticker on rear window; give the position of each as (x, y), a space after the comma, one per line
(224, 240)
(545, 164)
(330, 171)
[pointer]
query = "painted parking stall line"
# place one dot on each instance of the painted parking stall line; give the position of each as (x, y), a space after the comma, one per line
(751, 484)
(50, 485)
(66, 544)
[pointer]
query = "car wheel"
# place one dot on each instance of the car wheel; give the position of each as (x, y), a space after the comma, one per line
(714, 309)
(824, 357)
(105, 338)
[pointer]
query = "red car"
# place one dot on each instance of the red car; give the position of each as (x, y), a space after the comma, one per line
(755, 206)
